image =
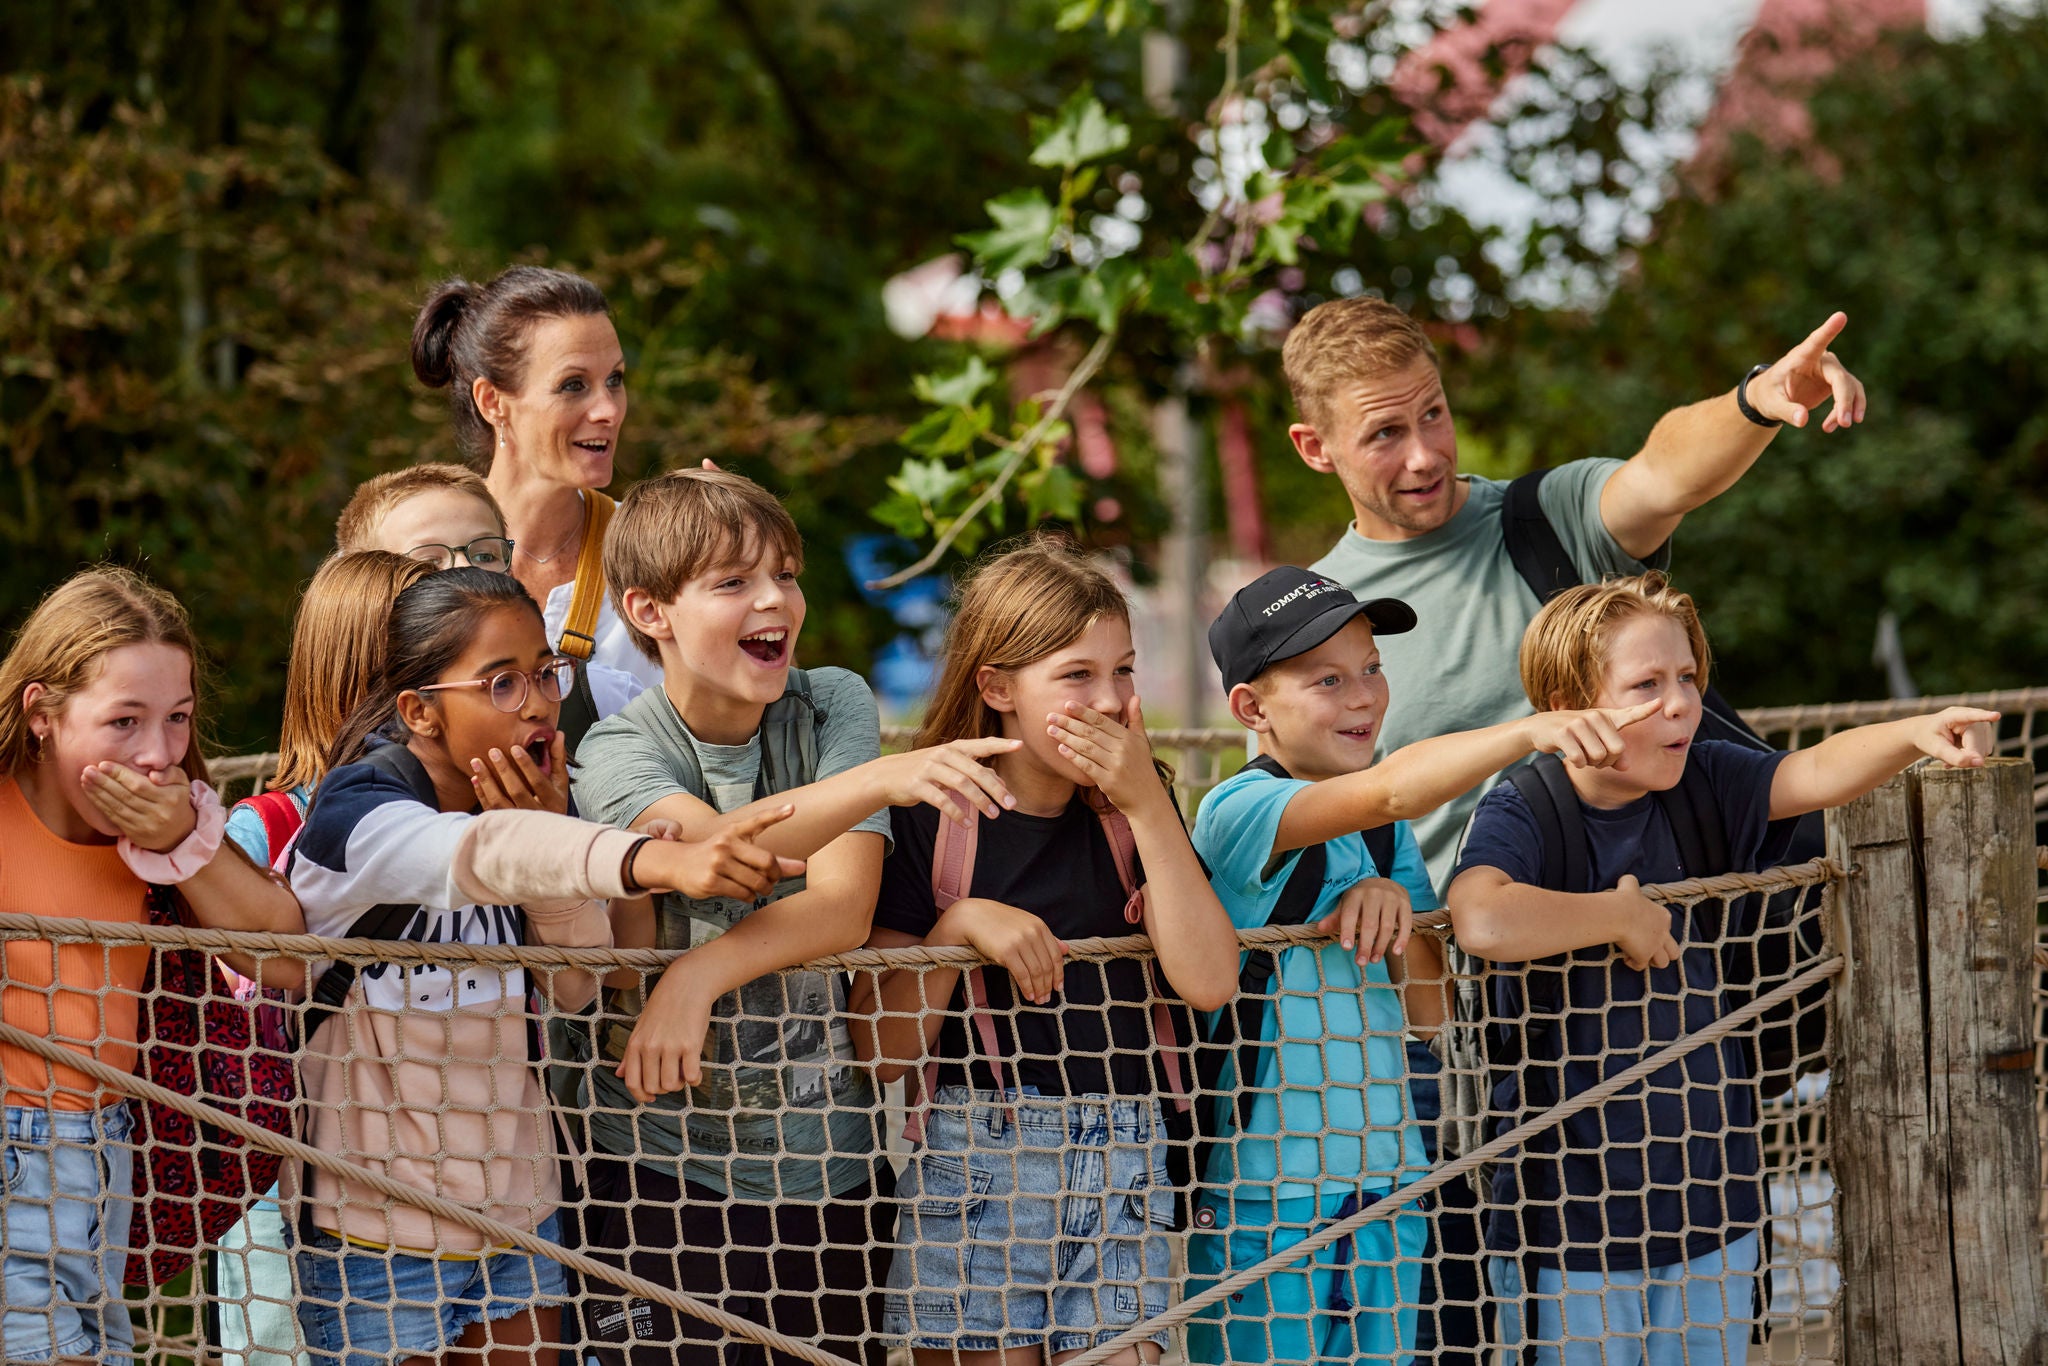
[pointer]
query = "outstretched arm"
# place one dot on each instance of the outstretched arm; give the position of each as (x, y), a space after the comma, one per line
(1417, 779)
(1849, 763)
(1696, 453)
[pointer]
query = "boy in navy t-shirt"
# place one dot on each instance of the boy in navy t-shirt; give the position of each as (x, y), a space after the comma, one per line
(1632, 1227)
(1324, 1126)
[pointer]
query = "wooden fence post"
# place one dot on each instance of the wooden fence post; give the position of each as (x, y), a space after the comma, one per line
(1932, 1135)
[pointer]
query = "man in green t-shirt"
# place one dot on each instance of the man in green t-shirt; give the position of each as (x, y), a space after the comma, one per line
(1374, 413)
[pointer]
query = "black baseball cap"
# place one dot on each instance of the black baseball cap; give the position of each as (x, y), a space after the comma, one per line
(1287, 612)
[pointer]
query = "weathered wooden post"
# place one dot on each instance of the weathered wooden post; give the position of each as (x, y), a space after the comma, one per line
(1931, 1123)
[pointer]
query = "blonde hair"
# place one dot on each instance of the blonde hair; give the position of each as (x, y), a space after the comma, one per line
(1022, 602)
(338, 645)
(1346, 340)
(371, 503)
(1565, 649)
(61, 645)
(677, 525)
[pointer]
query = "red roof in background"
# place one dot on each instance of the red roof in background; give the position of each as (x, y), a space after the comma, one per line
(1451, 85)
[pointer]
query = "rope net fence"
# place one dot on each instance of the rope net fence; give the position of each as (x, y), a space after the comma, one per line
(1101, 1174)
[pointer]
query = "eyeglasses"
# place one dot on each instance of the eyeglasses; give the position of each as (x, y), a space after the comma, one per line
(509, 686)
(485, 552)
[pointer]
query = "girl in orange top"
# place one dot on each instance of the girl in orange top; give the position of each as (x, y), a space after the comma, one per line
(96, 720)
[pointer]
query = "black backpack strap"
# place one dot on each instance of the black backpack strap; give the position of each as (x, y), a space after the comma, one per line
(579, 709)
(1533, 543)
(1565, 867)
(1696, 825)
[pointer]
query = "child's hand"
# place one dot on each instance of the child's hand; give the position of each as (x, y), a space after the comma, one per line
(517, 783)
(730, 863)
(1023, 944)
(1960, 736)
(660, 828)
(1374, 914)
(1645, 941)
(950, 777)
(154, 811)
(1587, 739)
(1114, 755)
(666, 1050)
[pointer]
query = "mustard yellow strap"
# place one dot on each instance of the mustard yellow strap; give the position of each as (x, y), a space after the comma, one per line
(579, 630)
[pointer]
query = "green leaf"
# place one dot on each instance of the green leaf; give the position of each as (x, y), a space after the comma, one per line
(1283, 19)
(1051, 492)
(1022, 235)
(948, 431)
(903, 515)
(1081, 132)
(1177, 292)
(928, 482)
(1047, 299)
(1101, 294)
(958, 389)
(1312, 65)
(1076, 14)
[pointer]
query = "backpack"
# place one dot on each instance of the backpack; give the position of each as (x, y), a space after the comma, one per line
(1237, 1033)
(952, 875)
(1791, 1038)
(193, 1181)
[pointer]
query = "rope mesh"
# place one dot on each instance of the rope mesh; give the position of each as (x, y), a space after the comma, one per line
(1021, 1217)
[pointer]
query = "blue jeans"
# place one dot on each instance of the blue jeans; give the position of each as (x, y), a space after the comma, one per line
(1688, 1314)
(1044, 1222)
(363, 1307)
(64, 1233)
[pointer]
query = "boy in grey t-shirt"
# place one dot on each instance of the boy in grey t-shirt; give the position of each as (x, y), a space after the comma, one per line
(735, 1139)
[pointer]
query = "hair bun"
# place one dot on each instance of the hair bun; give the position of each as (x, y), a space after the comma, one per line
(433, 332)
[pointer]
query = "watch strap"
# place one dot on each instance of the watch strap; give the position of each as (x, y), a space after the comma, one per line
(1742, 400)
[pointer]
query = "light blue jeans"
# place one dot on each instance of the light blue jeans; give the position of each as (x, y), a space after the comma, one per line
(1688, 1314)
(64, 1221)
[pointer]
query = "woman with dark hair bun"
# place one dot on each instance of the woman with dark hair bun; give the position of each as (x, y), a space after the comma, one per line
(537, 386)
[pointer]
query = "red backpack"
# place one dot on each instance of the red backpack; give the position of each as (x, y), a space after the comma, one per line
(952, 875)
(220, 1043)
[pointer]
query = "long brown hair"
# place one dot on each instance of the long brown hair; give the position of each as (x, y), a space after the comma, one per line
(338, 648)
(91, 614)
(1028, 599)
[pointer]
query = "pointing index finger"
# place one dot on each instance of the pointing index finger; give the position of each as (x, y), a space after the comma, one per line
(1625, 717)
(1819, 339)
(748, 827)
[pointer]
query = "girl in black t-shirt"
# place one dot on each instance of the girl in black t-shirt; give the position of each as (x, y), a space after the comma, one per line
(1055, 1097)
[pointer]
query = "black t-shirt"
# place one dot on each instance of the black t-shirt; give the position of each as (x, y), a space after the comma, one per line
(1095, 1037)
(1666, 1172)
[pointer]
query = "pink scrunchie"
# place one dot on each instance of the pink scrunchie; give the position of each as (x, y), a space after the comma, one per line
(194, 852)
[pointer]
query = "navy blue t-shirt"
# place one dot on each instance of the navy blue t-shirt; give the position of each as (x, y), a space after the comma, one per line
(1662, 1174)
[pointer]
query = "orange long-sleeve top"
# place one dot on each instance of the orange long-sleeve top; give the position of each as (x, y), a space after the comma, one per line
(84, 996)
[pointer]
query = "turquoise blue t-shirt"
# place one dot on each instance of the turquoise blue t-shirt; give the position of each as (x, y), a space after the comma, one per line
(1347, 1122)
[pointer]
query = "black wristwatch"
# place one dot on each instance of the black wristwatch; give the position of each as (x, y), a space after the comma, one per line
(1742, 401)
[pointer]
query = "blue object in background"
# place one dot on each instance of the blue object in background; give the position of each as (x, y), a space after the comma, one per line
(904, 668)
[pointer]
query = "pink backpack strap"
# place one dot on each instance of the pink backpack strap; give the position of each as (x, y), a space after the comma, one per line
(1123, 847)
(952, 874)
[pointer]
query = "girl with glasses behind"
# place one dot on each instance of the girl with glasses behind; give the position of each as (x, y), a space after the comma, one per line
(426, 1073)
(445, 516)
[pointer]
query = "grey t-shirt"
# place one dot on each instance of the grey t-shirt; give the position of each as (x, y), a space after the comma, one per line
(1459, 668)
(783, 1112)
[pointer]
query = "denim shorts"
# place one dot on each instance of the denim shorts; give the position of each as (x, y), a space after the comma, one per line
(64, 1233)
(362, 1307)
(1044, 1221)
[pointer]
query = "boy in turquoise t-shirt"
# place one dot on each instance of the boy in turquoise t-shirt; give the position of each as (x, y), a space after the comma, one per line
(1327, 1130)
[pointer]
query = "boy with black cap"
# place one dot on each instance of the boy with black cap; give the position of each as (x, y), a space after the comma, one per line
(1319, 1127)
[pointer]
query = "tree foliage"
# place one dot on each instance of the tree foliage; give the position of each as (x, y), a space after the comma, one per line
(1909, 212)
